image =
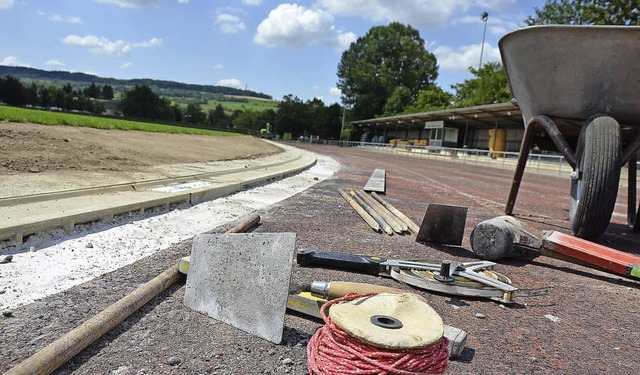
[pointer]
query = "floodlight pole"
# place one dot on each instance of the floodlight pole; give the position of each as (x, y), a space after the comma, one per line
(484, 17)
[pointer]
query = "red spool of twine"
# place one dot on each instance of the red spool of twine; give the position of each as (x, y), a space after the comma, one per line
(331, 351)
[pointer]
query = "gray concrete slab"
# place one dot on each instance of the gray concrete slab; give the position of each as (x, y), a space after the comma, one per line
(242, 279)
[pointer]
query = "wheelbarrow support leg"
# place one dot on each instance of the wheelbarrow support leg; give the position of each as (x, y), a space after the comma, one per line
(633, 219)
(527, 143)
(631, 158)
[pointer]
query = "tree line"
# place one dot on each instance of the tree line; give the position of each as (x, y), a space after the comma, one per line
(292, 116)
(65, 98)
(167, 88)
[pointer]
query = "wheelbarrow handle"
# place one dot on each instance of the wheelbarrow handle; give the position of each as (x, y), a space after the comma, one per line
(347, 262)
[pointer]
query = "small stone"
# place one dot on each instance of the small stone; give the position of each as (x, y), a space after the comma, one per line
(123, 370)
(553, 318)
(480, 316)
(32, 249)
(174, 361)
(287, 361)
(7, 313)
(315, 178)
(6, 259)
(503, 307)
(3, 291)
(89, 245)
(455, 307)
(34, 170)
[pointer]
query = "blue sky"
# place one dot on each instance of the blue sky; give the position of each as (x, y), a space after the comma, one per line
(273, 47)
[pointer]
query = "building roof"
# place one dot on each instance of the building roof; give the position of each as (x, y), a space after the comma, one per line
(505, 115)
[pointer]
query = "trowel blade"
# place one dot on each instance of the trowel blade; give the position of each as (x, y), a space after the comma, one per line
(242, 280)
(443, 224)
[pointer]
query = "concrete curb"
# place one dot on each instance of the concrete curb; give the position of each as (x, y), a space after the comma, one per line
(27, 215)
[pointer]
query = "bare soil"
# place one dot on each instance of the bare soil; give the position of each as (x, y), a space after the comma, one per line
(31, 148)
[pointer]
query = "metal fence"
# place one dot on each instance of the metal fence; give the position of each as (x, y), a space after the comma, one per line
(537, 162)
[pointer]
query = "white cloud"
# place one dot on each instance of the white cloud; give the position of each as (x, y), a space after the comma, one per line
(6, 4)
(295, 26)
(228, 23)
(252, 2)
(495, 25)
(183, 1)
(230, 82)
(126, 65)
(131, 3)
(462, 58)
(425, 13)
(494, 4)
(12, 61)
(54, 62)
(218, 67)
(334, 91)
(102, 45)
(67, 19)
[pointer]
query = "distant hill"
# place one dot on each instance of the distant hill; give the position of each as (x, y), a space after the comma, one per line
(161, 87)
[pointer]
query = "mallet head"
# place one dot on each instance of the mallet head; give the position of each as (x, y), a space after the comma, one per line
(503, 237)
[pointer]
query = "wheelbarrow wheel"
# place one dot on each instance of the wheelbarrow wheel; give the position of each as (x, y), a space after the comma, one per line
(594, 189)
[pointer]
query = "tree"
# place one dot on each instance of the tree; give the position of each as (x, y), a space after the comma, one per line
(143, 102)
(67, 88)
(194, 114)
(587, 12)
(375, 65)
(31, 94)
(433, 98)
(177, 112)
(292, 116)
(218, 118)
(398, 101)
(489, 86)
(249, 121)
(107, 92)
(12, 92)
(92, 91)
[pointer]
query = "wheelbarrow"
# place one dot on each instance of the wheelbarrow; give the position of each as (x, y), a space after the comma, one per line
(578, 88)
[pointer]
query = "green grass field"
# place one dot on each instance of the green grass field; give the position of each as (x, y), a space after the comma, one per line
(14, 114)
(252, 104)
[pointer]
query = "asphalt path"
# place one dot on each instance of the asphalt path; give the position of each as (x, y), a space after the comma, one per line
(587, 324)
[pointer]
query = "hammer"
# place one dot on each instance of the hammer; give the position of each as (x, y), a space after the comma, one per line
(504, 237)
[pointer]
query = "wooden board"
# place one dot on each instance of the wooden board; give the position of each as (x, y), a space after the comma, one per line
(377, 181)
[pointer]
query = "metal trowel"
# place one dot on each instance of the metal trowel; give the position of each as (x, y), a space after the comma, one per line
(443, 224)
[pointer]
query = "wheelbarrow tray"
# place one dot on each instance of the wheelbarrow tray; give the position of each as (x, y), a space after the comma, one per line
(570, 73)
(561, 77)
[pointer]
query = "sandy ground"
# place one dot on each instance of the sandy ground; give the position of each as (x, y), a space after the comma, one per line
(39, 157)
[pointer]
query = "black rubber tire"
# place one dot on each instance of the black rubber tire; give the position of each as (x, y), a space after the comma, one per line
(594, 192)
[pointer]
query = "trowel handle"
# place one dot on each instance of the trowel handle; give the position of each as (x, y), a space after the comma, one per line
(347, 262)
(336, 289)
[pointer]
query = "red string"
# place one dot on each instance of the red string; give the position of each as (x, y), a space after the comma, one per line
(331, 351)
